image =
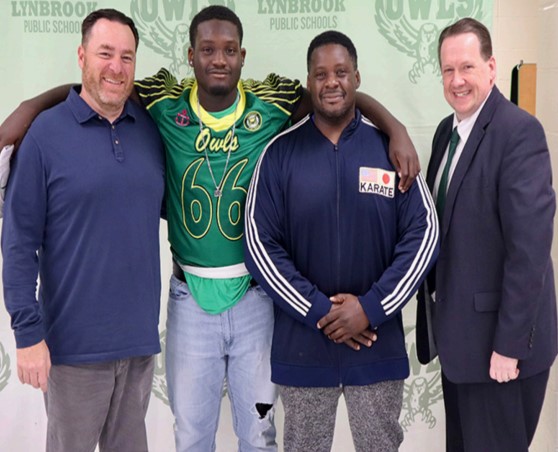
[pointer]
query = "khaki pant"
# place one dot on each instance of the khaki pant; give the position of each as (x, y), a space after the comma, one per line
(103, 403)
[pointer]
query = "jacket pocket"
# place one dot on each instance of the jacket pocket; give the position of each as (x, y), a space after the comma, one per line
(487, 301)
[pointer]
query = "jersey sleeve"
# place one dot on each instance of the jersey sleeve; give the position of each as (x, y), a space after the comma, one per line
(155, 89)
(281, 92)
(415, 253)
(265, 255)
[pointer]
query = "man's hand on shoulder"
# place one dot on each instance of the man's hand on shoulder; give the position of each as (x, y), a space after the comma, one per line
(403, 156)
(33, 365)
(15, 126)
(502, 368)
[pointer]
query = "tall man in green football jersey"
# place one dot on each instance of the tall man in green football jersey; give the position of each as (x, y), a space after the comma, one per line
(219, 323)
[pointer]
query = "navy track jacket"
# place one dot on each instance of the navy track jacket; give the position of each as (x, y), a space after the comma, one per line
(323, 219)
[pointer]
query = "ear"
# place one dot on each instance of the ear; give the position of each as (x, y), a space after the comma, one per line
(492, 69)
(243, 54)
(191, 56)
(81, 56)
(357, 77)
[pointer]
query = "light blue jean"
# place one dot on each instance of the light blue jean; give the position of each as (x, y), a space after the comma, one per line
(201, 351)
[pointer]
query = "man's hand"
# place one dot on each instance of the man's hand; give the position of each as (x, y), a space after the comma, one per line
(404, 157)
(402, 153)
(345, 320)
(502, 368)
(366, 338)
(33, 365)
(14, 128)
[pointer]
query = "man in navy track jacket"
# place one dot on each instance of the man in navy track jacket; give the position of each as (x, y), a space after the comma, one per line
(341, 251)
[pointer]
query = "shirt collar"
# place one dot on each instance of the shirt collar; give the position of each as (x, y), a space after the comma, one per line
(83, 112)
(465, 126)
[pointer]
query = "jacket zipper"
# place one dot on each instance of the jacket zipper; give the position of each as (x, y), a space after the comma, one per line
(338, 220)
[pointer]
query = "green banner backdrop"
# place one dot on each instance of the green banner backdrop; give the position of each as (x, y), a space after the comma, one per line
(397, 45)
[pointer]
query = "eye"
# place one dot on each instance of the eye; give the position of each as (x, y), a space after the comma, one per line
(128, 58)
(341, 72)
(231, 51)
(207, 50)
(104, 54)
(319, 75)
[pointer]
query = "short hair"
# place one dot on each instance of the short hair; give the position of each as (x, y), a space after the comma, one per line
(468, 25)
(110, 14)
(216, 12)
(332, 37)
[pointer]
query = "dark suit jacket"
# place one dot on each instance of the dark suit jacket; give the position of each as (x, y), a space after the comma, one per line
(494, 280)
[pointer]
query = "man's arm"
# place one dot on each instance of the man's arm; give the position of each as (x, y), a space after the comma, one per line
(266, 258)
(22, 232)
(402, 152)
(15, 126)
(526, 206)
(415, 253)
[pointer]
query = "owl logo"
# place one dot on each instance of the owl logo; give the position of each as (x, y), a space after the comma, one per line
(422, 390)
(5, 371)
(418, 42)
(171, 41)
(419, 395)
(253, 121)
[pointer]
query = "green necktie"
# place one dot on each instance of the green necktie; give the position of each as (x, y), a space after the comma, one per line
(443, 187)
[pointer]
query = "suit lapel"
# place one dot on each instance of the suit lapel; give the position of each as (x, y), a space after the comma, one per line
(467, 156)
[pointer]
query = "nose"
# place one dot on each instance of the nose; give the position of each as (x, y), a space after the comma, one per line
(116, 65)
(219, 58)
(332, 80)
(457, 79)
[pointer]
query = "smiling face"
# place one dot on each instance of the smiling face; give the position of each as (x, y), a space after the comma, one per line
(332, 82)
(467, 76)
(217, 59)
(108, 61)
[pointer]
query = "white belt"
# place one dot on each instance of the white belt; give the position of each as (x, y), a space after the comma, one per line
(230, 271)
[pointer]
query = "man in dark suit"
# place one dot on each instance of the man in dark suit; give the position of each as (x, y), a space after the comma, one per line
(488, 309)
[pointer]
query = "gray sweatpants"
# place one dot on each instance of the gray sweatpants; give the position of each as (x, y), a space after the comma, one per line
(101, 403)
(373, 416)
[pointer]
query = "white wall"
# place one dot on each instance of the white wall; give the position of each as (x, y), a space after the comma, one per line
(547, 112)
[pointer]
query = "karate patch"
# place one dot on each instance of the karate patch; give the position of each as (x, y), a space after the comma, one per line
(377, 181)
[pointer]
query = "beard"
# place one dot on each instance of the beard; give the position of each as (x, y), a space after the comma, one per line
(105, 98)
(221, 90)
(336, 115)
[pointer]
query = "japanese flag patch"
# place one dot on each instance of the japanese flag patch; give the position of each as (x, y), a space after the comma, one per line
(377, 181)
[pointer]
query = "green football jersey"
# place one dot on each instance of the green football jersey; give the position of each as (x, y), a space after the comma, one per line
(205, 230)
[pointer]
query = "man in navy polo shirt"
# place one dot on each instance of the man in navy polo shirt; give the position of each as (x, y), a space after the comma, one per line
(82, 212)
